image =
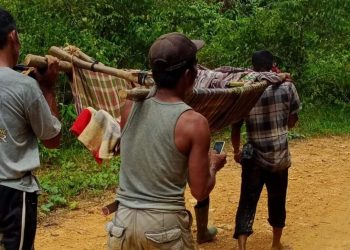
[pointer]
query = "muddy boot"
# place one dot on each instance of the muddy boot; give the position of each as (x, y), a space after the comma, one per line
(204, 234)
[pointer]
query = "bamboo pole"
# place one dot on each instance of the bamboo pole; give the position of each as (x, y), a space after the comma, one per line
(41, 62)
(139, 94)
(235, 84)
(85, 57)
(79, 54)
(135, 94)
(127, 75)
(73, 50)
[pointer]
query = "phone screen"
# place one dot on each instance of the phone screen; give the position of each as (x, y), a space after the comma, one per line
(219, 146)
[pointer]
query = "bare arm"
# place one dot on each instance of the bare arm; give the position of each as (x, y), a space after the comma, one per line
(292, 120)
(51, 100)
(125, 113)
(192, 137)
(47, 83)
(236, 140)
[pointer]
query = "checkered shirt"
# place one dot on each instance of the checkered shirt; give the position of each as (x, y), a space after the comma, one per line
(267, 125)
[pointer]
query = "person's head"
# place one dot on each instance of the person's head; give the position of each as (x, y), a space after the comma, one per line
(262, 61)
(172, 58)
(9, 40)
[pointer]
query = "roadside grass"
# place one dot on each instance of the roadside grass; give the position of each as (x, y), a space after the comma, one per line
(324, 120)
(71, 172)
(314, 120)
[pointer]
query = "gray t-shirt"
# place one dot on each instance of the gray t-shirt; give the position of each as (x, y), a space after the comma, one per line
(24, 117)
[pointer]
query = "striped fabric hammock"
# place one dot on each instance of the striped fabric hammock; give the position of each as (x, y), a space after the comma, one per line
(221, 106)
(98, 90)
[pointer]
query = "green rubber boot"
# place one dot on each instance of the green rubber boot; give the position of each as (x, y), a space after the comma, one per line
(204, 234)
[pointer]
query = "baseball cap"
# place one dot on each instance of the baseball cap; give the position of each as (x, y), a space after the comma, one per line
(172, 51)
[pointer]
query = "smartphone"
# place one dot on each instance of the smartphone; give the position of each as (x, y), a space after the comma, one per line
(219, 146)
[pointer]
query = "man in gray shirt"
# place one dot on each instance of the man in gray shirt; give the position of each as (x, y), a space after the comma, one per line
(28, 111)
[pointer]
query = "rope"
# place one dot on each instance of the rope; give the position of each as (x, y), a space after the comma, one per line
(73, 50)
(142, 75)
(93, 65)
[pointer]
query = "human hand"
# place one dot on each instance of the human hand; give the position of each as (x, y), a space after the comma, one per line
(47, 80)
(286, 77)
(217, 160)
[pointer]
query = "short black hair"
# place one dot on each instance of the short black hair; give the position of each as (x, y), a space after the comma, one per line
(7, 24)
(262, 60)
(169, 79)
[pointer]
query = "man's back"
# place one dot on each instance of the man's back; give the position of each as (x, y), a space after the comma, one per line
(23, 119)
(153, 171)
(267, 124)
(163, 144)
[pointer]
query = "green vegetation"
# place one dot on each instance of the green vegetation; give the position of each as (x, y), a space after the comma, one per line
(71, 172)
(324, 120)
(310, 39)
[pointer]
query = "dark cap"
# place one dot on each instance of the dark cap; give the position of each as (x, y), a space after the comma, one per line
(173, 51)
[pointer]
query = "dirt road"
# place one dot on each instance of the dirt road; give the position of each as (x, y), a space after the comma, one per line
(318, 206)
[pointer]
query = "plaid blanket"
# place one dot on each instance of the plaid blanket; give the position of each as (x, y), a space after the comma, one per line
(98, 90)
(221, 106)
(223, 77)
(218, 78)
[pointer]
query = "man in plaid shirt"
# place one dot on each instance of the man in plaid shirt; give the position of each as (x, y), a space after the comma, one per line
(265, 158)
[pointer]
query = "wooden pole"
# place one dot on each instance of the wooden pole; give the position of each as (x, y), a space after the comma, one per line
(85, 57)
(127, 75)
(73, 50)
(139, 94)
(235, 84)
(41, 62)
(76, 51)
(135, 94)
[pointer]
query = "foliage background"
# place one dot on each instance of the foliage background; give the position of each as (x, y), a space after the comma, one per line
(309, 38)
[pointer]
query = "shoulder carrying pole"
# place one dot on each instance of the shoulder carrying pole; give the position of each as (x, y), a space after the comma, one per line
(41, 62)
(128, 75)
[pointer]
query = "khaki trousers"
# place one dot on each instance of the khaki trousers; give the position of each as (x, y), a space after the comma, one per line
(141, 229)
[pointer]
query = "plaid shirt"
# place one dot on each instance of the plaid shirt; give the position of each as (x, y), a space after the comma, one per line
(267, 125)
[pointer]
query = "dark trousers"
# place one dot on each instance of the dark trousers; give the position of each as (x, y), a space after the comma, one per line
(17, 207)
(203, 203)
(253, 180)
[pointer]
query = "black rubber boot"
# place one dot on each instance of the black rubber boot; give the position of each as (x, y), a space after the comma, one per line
(204, 234)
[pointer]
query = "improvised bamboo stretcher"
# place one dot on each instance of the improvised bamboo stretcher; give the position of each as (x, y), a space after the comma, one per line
(71, 55)
(221, 106)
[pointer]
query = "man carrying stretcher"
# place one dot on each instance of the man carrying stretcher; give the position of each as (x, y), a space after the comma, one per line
(164, 143)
